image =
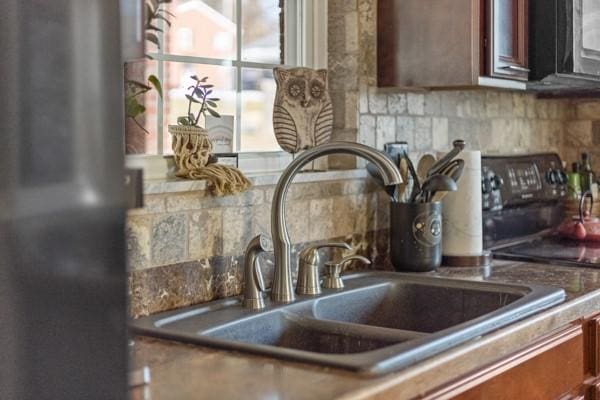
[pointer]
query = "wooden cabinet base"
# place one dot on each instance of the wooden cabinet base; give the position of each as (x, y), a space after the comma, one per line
(548, 369)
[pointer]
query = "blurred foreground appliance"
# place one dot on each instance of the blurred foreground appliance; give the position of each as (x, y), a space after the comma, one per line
(62, 254)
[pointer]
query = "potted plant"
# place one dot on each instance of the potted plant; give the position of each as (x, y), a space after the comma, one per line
(190, 143)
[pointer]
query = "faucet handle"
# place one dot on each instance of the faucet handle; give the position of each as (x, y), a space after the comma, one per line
(254, 284)
(308, 268)
(310, 255)
(333, 270)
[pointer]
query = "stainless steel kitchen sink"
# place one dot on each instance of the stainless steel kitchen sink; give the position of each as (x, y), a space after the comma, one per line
(380, 321)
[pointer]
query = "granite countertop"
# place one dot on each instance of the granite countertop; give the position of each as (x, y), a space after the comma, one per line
(181, 371)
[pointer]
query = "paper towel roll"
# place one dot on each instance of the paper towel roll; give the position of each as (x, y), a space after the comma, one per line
(462, 233)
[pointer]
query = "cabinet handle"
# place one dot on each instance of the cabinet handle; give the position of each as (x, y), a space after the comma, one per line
(515, 68)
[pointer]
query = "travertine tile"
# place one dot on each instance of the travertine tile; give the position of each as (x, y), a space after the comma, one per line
(397, 103)
(153, 204)
(519, 105)
(492, 104)
(578, 134)
(169, 239)
(405, 129)
(205, 233)
(423, 137)
(237, 230)
(351, 27)
(588, 110)
(433, 103)
(386, 130)
(201, 199)
(415, 103)
(138, 236)
(321, 219)
(439, 131)
(366, 130)
(377, 101)
(351, 110)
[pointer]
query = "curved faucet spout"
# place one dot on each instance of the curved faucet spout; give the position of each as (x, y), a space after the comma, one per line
(282, 290)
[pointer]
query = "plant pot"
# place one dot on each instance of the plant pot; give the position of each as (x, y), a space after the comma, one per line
(191, 148)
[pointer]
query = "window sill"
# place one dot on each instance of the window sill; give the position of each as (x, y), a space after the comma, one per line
(176, 185)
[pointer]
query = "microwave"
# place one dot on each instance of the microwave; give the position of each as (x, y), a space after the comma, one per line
(565, 42)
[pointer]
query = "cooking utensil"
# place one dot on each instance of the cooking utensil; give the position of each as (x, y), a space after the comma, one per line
(437, 183)
(401, 193)
(458, 146)
(424, 165)
(454, 169)
(416, 186)
(584, 226)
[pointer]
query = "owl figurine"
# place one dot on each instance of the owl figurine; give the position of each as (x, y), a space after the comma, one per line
(302, 114)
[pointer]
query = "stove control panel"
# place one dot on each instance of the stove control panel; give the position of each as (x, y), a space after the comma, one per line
(508, 181)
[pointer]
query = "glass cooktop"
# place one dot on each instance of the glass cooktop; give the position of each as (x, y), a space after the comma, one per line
(553, 250)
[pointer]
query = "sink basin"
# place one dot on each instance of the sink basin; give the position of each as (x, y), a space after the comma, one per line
(418, 306)
(380, 322)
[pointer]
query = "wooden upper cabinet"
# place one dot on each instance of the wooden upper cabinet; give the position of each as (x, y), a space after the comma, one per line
(507, 38)
(451, 43)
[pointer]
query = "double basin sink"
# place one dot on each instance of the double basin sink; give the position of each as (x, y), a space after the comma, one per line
(380, 322)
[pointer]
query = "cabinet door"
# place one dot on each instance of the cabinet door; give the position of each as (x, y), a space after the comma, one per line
(508, 38)
(551, 368)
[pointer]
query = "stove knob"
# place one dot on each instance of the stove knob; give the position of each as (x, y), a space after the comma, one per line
(562, 177)
(551, 177)
(497, 182)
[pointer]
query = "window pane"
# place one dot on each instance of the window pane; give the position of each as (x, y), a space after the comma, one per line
(140, 134)
(261, 31)
(176, 82)
(201, 28)
(258, 96)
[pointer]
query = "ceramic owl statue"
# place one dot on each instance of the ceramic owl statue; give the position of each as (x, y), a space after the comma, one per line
(302, 114)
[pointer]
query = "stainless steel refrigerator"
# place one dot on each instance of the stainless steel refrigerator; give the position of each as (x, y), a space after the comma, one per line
(62, 214)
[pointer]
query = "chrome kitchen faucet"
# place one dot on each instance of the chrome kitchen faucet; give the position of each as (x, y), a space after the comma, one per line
(282, 290)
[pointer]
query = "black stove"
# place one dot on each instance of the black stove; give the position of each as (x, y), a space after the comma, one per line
(522, 207)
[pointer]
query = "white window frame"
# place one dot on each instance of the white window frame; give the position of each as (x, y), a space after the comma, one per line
(308, 48)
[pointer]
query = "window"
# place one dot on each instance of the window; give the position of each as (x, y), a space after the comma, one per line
(236, 44)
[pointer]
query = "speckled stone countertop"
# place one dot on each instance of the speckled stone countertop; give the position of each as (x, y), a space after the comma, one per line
(181, 371)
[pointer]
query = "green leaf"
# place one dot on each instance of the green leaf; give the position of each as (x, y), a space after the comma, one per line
(190, 98)
(207, 86)
(194, 77)
(131, 83)
(211, 103)
(204, 79)
(156, 83)
(213, 113)
(133, 108)
(151, 37)
(214, 99)
(208, 92)
(199, 92)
